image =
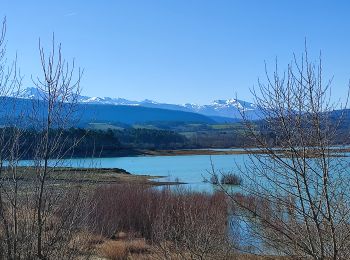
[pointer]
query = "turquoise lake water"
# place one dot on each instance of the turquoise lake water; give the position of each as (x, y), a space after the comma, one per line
(190, 169)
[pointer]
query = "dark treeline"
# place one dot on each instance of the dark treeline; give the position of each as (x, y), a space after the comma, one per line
(129, 140)
(78, 142)
(150, 138)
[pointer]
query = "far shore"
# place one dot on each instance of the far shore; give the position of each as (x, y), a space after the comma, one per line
(133, 152)
(195, 152)
(310, 153)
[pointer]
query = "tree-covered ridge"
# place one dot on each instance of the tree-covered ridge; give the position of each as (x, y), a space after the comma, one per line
(79, 142)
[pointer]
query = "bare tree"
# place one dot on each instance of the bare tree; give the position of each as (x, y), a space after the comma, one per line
(296, 191)
(10, 83)
(54, 112)
(38, 218)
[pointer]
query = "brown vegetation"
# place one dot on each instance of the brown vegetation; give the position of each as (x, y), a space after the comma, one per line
(142, 223)
(121, 221)
(86, 176)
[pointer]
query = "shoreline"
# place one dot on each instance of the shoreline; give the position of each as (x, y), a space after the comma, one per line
(311, 153)
(180, 152)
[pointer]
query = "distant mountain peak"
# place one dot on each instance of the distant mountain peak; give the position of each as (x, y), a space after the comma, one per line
(29, 93)
(150, 101)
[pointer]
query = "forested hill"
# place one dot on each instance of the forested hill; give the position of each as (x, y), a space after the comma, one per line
(97, 143)
(136, 114)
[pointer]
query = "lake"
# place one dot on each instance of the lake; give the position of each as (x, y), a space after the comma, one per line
(191, 169)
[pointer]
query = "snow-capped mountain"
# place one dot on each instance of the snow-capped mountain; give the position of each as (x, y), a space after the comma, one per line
(225, 108)
(106, 101)
(230, 108)
(29, 93)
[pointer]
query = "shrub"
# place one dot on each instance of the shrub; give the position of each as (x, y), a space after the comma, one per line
(214, 179)
(231, 179)
(188, 221)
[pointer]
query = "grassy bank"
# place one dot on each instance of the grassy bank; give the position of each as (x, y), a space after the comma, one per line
(88, 176)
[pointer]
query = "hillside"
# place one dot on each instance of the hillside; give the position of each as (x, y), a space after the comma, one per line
(136, 114)
(12, 108)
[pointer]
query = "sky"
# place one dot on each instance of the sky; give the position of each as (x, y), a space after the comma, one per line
(179, 51)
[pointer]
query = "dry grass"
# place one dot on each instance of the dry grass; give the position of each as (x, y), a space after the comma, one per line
(85, 241)
(137, 249)
(137, 246)
(256, 257)
(123, 249)
(114, 250)
(87, 177)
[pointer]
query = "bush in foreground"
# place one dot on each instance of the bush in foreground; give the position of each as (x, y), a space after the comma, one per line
(180, 223)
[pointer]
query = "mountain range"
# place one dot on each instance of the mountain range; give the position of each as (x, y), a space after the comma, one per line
(119, 111)
(219, 110)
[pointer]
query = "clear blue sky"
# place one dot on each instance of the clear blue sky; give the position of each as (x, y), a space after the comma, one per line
(179, 50)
